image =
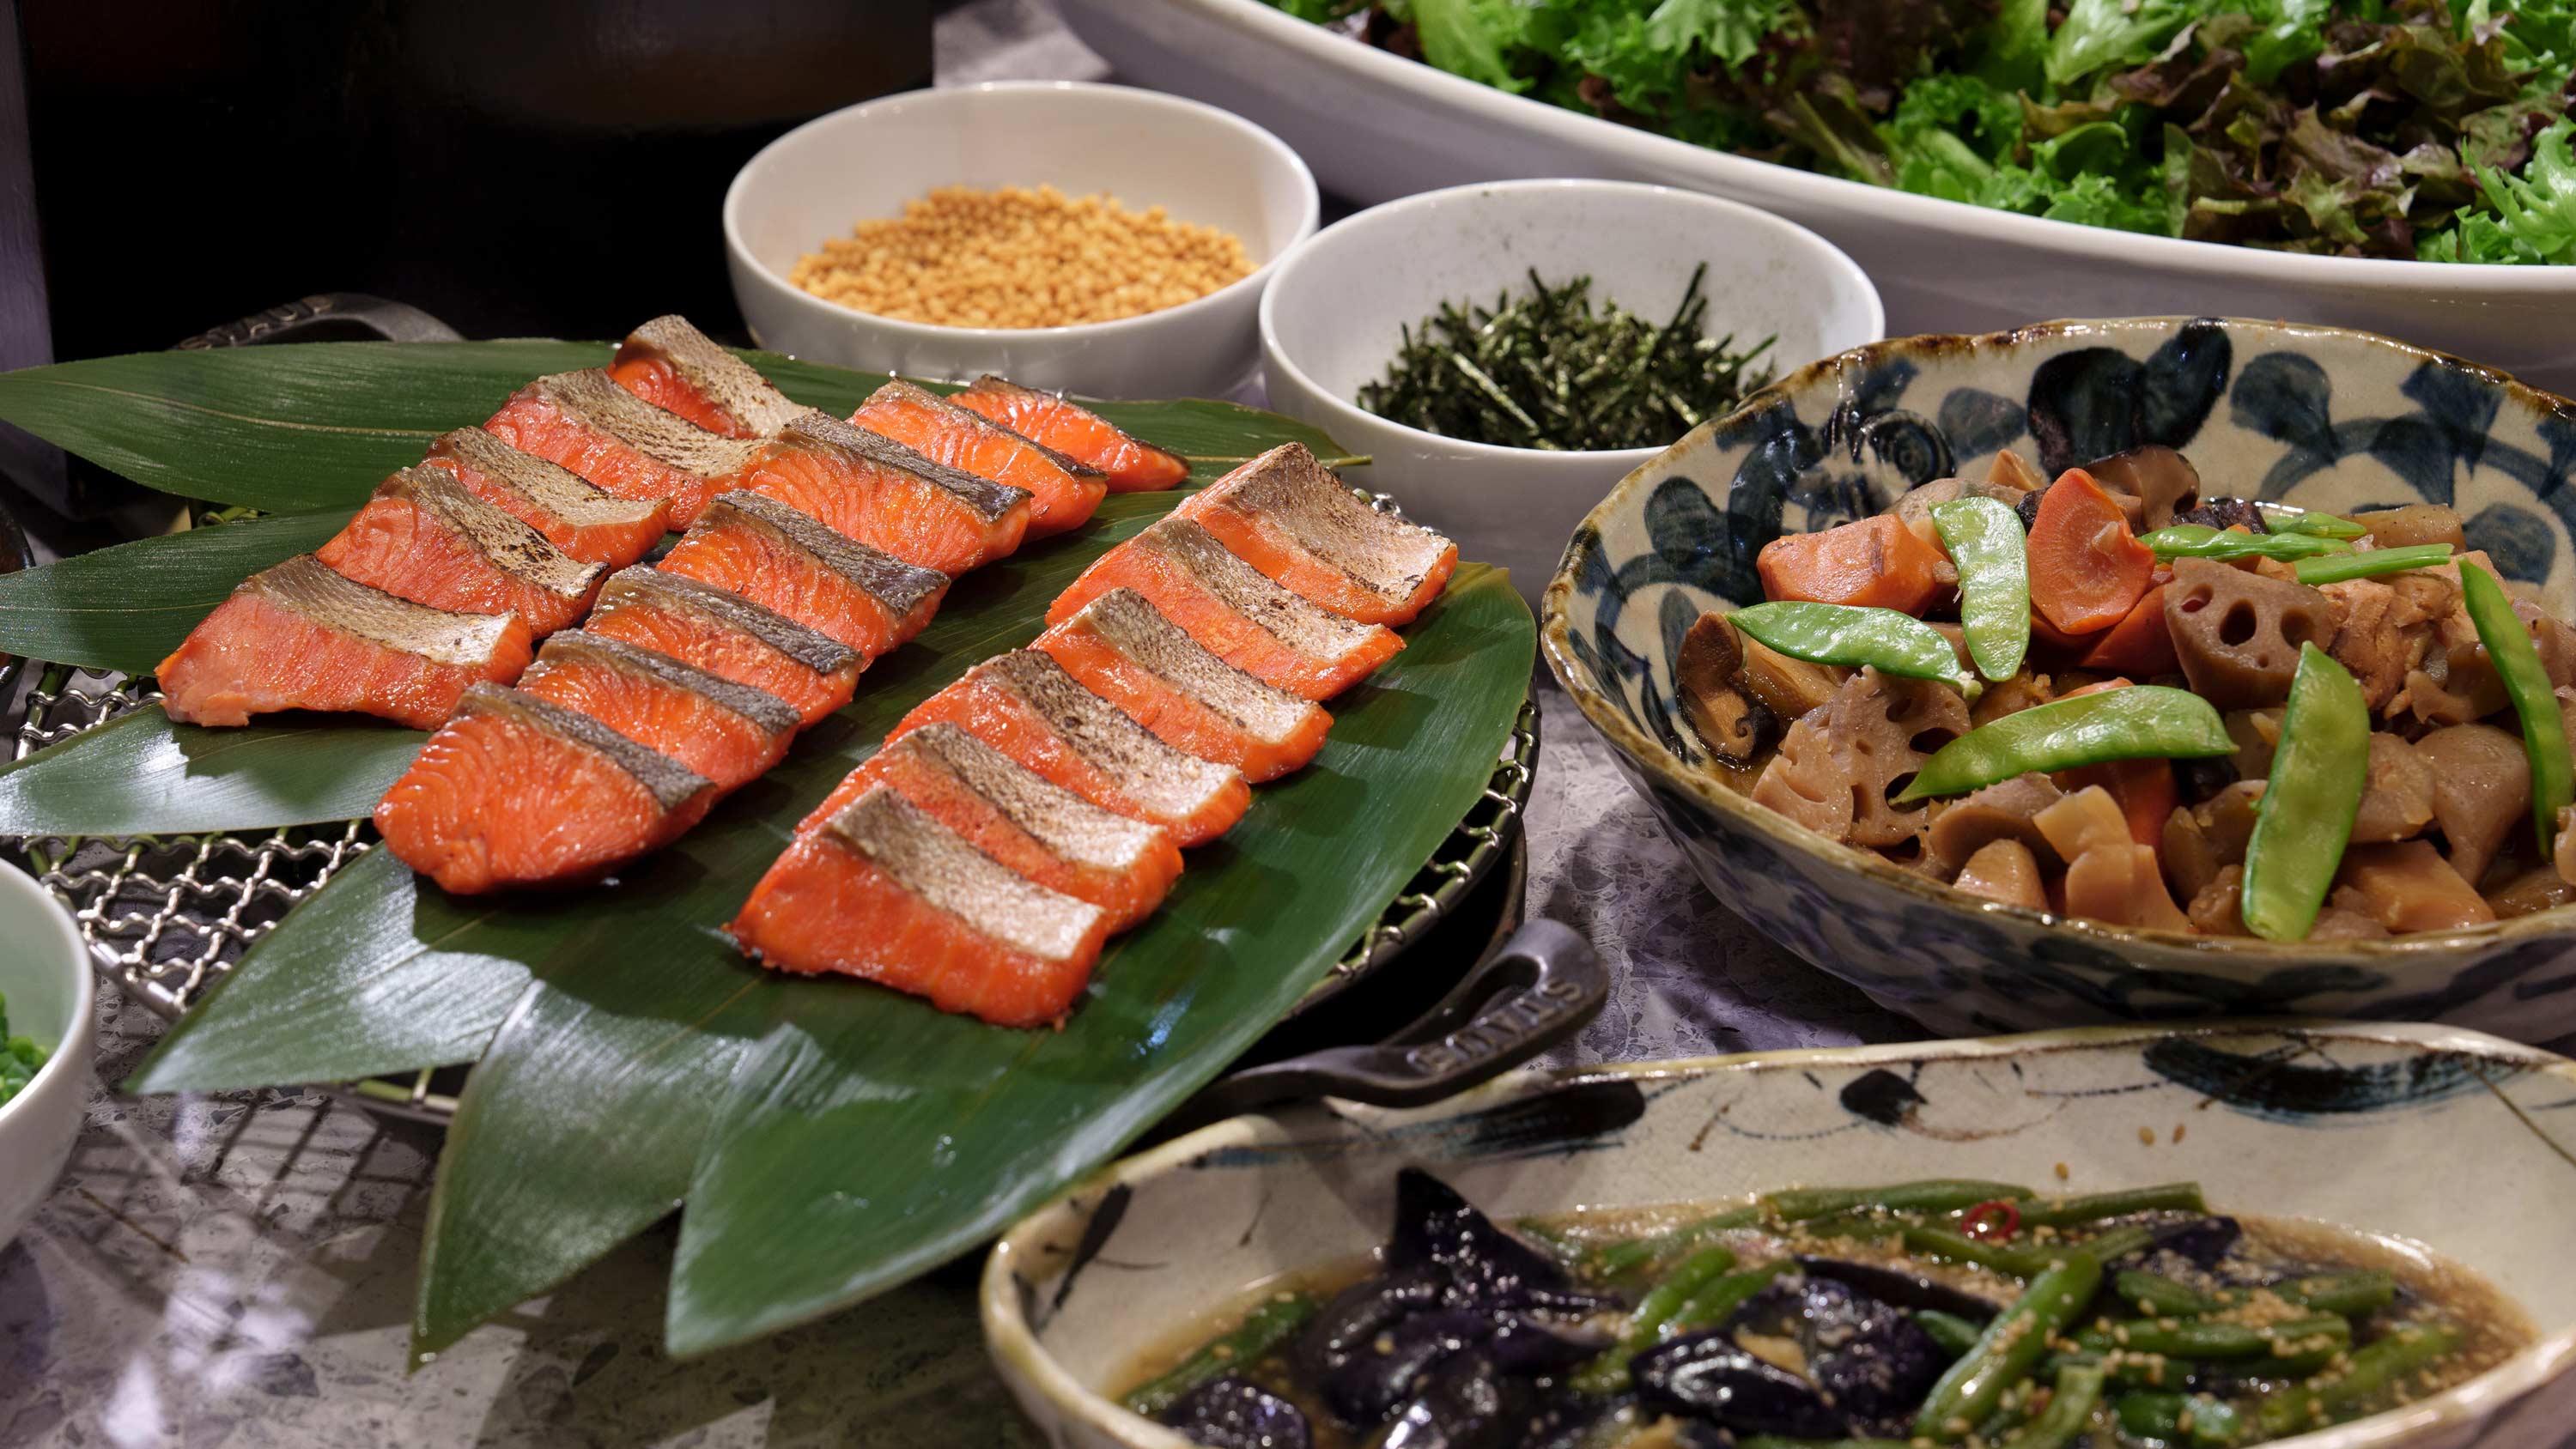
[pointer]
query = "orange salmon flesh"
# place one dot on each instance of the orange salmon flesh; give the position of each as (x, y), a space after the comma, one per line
(1288, 516)
(585, 521)
(1234, 612)
(1123, 649)
(727, 733)
(893, 509)
(814, 674)
(772, 570)
(1131, 466)
(415, 550)
(298, 636)
(497, 802)
(1197, 804)
(885, 893)
(1058, 499)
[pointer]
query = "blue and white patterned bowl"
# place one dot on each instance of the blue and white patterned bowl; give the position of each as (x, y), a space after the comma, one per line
(2316, 416)
(2442, 1138)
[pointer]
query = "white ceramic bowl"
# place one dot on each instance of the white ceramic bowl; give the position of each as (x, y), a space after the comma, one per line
(2438, 1137)
(45, 973)
(1376, 125)
(1199, 163)
(1330, 321)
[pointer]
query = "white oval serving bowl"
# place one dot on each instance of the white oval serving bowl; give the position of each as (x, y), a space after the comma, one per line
(1377, 125)
(1199, 163)
(45, 974)
(1331, 318)
(2425, 1134)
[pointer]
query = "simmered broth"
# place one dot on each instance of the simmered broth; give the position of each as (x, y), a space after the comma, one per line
(1938, 1312)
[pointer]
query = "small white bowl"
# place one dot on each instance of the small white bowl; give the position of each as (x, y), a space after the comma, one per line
(45, 973)
(1330, 321)
(1199, 163)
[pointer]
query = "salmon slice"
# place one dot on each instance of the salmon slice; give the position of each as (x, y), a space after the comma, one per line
(516, 792)
(298, 636)
(1062, 492)
(887, 496)
(730, 733)
(617, 440)
(1024, 705)
(1132, 465)
(778, 558)
(885, 892)
(679, 369)
(1239, 616)
(424, 538)
(1288, 516)
(1045, 832)
(587, 522)
(730, 637)
(1123, 649)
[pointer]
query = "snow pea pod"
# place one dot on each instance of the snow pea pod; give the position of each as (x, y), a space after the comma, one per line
(2282, 518)
(2369, 563)
(2145, 721)
(2199, 540)
(2305, 816)
(1891, 642)
(1986, 542)
(2526, 683)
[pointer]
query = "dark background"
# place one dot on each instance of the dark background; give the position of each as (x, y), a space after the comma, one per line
(514, 167)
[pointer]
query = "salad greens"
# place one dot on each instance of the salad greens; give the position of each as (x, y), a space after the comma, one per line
(19, 1057)
(2380, 128)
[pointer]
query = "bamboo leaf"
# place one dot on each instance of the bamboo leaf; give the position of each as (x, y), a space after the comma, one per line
(872, 1137)
(596, 1090)
(144, 775)
(373, 979)
(126, 607)
(608, 1021)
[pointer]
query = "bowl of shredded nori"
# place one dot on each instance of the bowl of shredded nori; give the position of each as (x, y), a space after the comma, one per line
(1504, 353)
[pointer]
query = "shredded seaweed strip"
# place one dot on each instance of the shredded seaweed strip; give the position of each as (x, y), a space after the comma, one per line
(1551, 371)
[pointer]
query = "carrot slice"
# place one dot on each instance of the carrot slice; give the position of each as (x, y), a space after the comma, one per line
(2087, 569)
(1875, 563)
(2139, 645)
(2145, 790)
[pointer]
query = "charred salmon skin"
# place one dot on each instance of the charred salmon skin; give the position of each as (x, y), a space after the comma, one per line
(885, 892)
(585, 521)
(780, 559)
(517, 792)
(679, 369)
(1234, 612)
(617, 440)
(1046, 833)
(1287, 515)
(1123, 649)
(298, 636)
(887, 496)
(1131, 465)
(1024, 705)
(730, 733)
(730, 637)
(1062, 492)
(424, 537)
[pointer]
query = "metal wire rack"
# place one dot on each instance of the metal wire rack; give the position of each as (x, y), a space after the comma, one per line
(166, 917)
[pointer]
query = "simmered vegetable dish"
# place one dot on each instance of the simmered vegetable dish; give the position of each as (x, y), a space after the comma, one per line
(1929, 1313)
(2115, 697)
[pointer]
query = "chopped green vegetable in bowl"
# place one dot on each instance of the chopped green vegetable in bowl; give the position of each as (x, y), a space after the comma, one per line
(1550, 370)
(2380, 128)
(20, 1057)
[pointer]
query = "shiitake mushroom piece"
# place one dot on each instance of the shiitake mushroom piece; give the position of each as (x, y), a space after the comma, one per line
(1734, 723)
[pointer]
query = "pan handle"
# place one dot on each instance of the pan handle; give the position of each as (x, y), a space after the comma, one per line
(1537, 990)
(328, 317)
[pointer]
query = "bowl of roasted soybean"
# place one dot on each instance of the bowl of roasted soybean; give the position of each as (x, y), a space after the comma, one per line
(1505, 353)
(1093, 238)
